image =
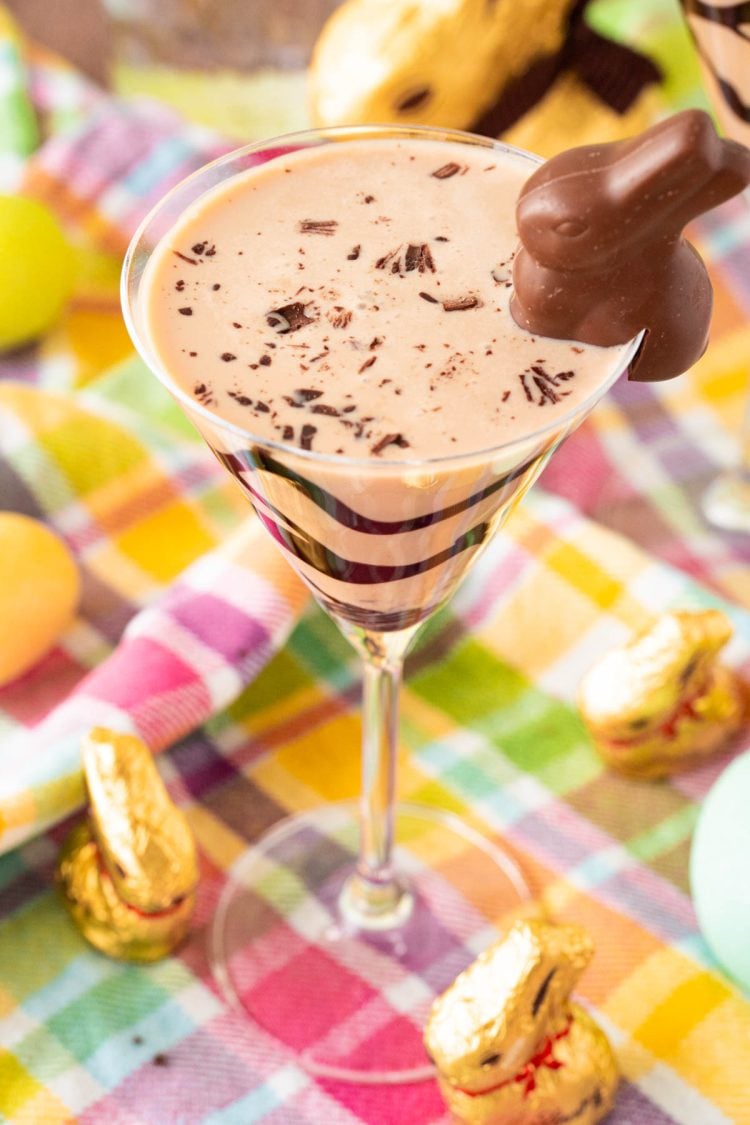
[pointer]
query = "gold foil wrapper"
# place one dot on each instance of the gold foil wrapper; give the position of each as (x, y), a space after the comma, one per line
(128, 875)
(663, 702)
(429, 64)
(509, 1046)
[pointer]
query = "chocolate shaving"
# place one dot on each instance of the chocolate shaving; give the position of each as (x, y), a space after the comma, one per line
(318, 226)
(461, 303)
(419, 258)
(240, 399)
(263, 407)
(185, 258)
(288, 318)
(546, 390)
(228, 356)
(526, 391)
(339, 316)
(322, 408)
(368, 363)
(185, 312)
(307, 394)
(354, 253)
(430, 298)
(387, 259)
(287, 433)
(179, 286)
(306, 436)
(446, 171)
(204, 248)
(506, 396)
(389, 439)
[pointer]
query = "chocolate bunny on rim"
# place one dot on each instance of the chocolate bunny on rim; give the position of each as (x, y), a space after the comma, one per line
(602, 253)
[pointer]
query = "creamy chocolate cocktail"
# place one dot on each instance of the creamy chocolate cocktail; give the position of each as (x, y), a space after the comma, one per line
(339, 319)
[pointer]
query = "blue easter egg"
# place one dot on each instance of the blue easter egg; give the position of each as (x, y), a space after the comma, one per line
(720, 869)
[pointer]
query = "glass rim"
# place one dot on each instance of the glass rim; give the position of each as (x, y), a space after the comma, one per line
(625, 352)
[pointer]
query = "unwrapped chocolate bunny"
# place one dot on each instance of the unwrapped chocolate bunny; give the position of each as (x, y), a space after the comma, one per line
(602, 254)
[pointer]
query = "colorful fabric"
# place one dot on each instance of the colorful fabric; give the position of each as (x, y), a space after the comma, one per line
(490, 729)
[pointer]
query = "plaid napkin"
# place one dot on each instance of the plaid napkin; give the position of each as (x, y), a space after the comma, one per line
(136, 501)
(489, 724)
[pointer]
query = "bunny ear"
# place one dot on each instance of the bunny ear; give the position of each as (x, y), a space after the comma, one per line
(671, 160)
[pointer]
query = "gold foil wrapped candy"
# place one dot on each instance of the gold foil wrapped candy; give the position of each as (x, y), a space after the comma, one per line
(510, 1047)
(512, 70)
(663, 702)
(128, 875)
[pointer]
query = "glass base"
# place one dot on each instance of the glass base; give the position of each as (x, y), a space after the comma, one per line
(350, 1001)
(726, 502)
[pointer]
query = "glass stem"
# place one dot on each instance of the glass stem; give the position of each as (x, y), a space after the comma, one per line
(374, 897)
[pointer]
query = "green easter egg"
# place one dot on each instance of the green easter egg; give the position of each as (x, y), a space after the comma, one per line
(36, 270)
(719, 864)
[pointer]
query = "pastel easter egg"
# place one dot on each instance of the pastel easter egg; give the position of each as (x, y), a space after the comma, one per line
(36, 270)
(39, 592)
(719, 863)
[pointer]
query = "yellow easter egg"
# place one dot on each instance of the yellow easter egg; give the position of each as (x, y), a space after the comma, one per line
(39, 591)
(36, 270)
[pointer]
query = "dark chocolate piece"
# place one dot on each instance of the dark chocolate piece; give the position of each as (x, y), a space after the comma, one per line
(307, 434)
(390, 439)
(288, 318)
(602, 255)
(187, 311)
(418, 258)
(354, 253)
(228, 356)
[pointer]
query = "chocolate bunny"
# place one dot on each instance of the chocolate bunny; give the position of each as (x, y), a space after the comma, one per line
(602, 254)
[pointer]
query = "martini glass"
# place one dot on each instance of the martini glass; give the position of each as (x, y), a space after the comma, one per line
(339, 926)
(721, 33)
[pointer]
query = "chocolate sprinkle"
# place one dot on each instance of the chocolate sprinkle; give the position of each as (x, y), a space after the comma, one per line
(430, 298)
(307, 435)
(185, 258)
(318, 226)
(288, 318)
